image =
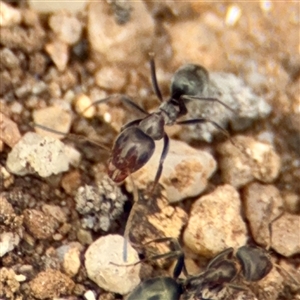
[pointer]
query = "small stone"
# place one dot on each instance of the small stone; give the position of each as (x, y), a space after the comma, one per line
(40, 225)
(82, 102)
(153, 217)
(110, 78)
(84, 237)
(246, 160)
(71, 182)
(59, 53)
(8, 59)
(108, 270)
(263, 204)
(45, 6)
(285, 235)
(67, 27)
(8, 241)
(53, 117)
(215, 223)
(9, 131)
(55, 211)
(100, 205)
(9, 16)
(8, 283)
(185, 171)
(117, 43)
(292, 202)
(70, 256)
(51, 283)
(37, 154)
(89, 295)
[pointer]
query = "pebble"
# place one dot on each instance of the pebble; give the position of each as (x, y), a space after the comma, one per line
(246, 160)
(89, 295)
(117, 43)
(9, 16)
(102, 269)
(232, 91)
(185, 171)
(45, 6)
(263, 203)
(8, 242)
(9, 284)
(70, 256)
(101, 205)
(59, 53)
(66, 27)
(39, 224)
(37, 154)
(9, 59)
(82, 102)
(154, 217)
(50, 284)
(111, 78)
(52, 117)
(11, 230)
(285, 235)
(9, 131)
(215, 223)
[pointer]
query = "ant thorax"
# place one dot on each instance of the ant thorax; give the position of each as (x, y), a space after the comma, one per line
(170, 112)
(153, 125)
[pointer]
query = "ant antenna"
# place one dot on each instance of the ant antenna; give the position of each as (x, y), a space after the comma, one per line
(154, 78)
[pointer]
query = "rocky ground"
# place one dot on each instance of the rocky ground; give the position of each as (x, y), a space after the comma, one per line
(62, 218)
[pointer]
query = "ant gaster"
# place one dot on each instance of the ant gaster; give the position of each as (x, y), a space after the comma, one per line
(135, 144)
(252, 263)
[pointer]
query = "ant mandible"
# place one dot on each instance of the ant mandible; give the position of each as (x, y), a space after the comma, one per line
(135, 144)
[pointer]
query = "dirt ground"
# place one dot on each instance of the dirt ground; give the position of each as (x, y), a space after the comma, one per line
(257, 41)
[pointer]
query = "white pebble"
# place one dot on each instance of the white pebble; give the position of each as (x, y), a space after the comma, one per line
(185, 171)
(37, 154)
(105, 266)
(9, 16)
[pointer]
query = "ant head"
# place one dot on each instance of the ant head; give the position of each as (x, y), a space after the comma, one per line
(255, 262)
(190, 80)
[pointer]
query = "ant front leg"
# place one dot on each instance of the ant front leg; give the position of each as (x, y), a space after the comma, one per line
(122, 98)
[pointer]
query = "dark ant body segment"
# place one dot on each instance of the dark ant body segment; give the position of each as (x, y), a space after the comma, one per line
(252, 263)
(135, 144)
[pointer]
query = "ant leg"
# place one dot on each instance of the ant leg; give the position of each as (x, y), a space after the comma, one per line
(129, 220)
(205, 120)
(153, 78)
(76, 137)
(161, 161)
(180, 265)
(187, 97)
(123, 98)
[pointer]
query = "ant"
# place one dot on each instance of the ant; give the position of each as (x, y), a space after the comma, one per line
(252, 263)
(135, 144)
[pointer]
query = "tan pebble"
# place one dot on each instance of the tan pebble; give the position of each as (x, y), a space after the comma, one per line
(50, 284)
(59, 53)
(83, 105)
(9, 131)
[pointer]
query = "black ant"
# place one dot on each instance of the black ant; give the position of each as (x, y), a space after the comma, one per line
(252, 263)
(135, 144)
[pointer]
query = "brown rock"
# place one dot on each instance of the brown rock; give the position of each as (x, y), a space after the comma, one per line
(50, 284)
